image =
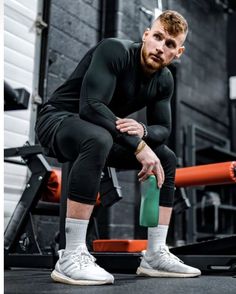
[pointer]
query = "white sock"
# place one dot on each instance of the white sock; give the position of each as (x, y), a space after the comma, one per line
(156, 237)
(76, 230)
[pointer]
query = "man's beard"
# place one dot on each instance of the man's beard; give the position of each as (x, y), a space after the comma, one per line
(149, 63)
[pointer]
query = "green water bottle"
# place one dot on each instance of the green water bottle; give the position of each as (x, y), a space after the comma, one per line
(149, 208)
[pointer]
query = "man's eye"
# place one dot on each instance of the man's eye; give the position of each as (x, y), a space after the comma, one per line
(170, 44)
(157, 36)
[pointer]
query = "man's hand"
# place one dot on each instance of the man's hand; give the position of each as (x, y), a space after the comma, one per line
(151, 164)
(130, 126)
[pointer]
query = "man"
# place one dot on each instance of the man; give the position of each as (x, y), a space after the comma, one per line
(85, 121)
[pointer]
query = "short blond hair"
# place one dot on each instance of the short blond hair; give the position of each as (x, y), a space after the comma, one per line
(174, 23)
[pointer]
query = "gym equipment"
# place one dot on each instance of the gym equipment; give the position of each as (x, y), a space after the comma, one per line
(204, 146)
(149, 208)
(120, 246)
(52, 193)
(21, 248)
(119, 255)
(20, 243)
(209, 256)
(15, 99)
(181, 201)
(41, 196)
(209, 174)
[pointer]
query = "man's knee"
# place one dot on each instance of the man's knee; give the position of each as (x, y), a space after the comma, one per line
(170, 155)
(166, 155)
(100, 141)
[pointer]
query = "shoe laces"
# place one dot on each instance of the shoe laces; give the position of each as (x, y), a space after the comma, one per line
(164, 251)
(83, 258)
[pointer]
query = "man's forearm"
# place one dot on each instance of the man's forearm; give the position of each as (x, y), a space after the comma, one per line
(98, 113)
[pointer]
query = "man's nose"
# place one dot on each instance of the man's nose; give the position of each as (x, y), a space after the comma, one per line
(159, 47)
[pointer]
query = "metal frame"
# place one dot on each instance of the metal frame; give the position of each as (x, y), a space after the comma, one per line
(16, 240)
(215, 139)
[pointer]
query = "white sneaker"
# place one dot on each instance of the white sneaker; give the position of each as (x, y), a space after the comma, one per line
(165, 264)
(79, 268)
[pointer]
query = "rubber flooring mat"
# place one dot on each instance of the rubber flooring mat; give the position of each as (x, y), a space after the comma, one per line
(38, 281)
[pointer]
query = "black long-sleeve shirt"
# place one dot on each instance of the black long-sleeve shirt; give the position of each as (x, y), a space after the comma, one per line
(109, 83)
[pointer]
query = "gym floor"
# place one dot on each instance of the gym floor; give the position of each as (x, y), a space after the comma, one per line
(38, 281)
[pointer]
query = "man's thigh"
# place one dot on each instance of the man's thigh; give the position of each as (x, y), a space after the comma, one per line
(74, 133)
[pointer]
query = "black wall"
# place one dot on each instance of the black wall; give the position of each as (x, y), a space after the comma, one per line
(202, 75)
(74, 28)
(232, 72)
(231, 45)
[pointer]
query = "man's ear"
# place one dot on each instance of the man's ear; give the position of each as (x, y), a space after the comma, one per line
(145, 34)
(180, 52)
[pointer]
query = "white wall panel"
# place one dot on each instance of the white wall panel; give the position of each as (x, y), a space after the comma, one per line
(22, 76)
(17, 29)
(17, 171)
(19, 63)
(21, 114)
(23, 46)
(14, 124)
(20, 12)
(14, 140)
(16, 58)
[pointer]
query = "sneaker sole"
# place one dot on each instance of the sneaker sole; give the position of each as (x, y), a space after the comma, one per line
(155, 273)
(57, 277)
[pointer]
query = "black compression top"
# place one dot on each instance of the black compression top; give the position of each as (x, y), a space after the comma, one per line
(109, 83)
